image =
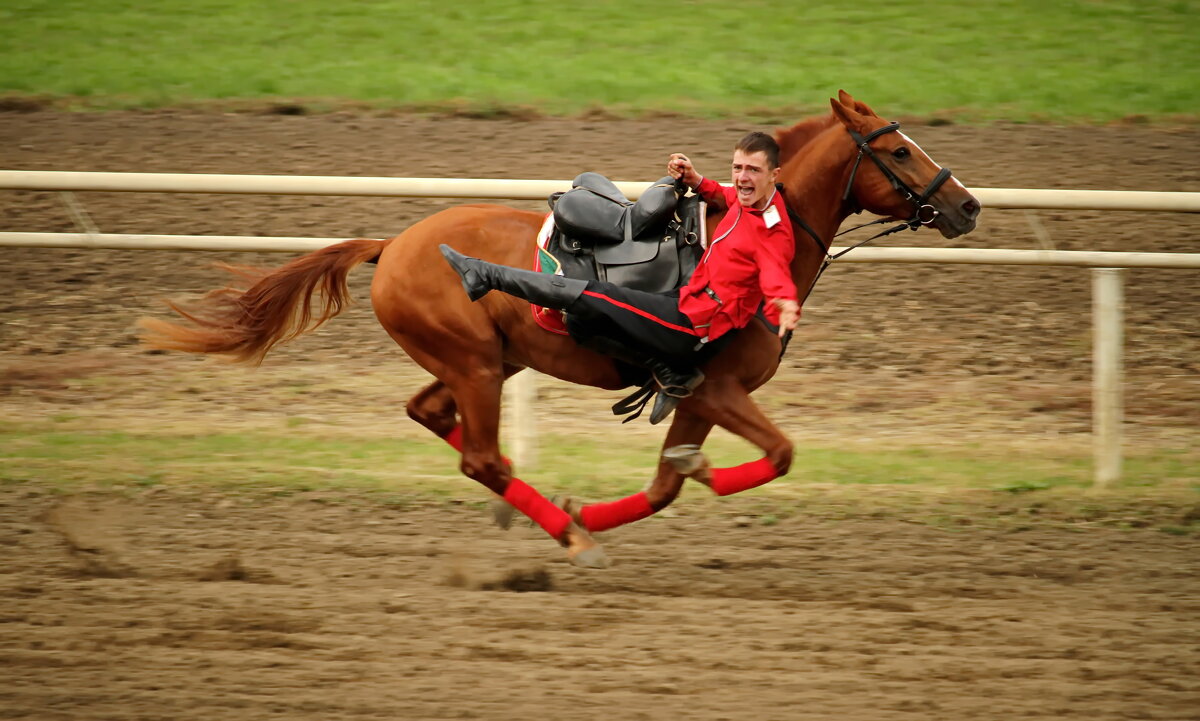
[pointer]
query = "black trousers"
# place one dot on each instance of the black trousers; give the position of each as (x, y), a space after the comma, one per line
(648, 321)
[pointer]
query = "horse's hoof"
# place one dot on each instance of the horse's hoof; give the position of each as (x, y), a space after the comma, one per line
(582, 549)
(573, 507)
(593, 557)
(502, 512)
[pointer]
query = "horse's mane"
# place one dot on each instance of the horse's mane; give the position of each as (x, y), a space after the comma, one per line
(792, 139)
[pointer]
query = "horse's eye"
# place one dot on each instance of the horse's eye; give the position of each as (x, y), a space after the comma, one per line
(900, 153)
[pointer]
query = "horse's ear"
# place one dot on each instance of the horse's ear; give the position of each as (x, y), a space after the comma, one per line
(849, 101)
(850, 117)
(863, 108)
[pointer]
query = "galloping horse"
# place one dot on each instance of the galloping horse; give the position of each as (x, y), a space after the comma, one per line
(471, 348)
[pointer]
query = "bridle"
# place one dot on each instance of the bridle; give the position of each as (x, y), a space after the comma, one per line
(923, 212)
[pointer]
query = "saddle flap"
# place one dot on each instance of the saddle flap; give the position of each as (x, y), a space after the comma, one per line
(637, 251)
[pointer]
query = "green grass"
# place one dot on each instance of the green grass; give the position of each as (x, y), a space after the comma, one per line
(1092, 60)
(586, 466)
(949, 489)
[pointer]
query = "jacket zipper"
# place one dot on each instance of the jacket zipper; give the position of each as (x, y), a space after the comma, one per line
(721, 237)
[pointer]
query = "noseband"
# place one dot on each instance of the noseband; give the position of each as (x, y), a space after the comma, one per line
(923, 213)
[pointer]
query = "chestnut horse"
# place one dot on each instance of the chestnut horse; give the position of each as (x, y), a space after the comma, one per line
(471, 348)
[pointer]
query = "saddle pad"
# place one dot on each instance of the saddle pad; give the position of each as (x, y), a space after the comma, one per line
(545, 262)
(639, 264)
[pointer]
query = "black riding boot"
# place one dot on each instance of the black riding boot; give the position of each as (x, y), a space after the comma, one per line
(544, 289)
(673, 385)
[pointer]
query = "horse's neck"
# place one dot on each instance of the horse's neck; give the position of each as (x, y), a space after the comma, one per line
(813, 185)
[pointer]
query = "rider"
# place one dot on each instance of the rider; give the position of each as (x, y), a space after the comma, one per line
(746, 262)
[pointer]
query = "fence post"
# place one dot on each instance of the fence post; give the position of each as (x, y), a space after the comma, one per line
(1107, 371)
(520, 429)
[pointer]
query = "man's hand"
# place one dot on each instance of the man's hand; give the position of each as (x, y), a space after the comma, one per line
(789, 314)
(679, 167)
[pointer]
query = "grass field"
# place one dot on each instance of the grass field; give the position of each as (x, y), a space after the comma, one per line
(61, 455)
(1080, 60)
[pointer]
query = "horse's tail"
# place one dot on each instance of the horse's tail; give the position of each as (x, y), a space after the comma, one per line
(244, 324)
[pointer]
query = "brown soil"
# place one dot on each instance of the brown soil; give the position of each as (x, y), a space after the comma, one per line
(163, 605)
(170, 604)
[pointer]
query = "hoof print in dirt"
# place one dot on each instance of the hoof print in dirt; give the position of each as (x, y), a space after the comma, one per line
(518, 580)
(521, 580)
(230, 568)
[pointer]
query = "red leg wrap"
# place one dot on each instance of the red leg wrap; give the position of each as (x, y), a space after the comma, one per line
(603, 516)
(744, 477)
(525, 499)
(454, 438)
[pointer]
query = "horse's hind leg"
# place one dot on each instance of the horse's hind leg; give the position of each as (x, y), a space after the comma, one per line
(477, 395)
(434, 408)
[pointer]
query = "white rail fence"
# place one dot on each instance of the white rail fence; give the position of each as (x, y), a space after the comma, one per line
(513, 189)
(1107, 297)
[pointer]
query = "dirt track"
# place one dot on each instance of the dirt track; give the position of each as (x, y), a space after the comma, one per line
(187, 604)
(167, 606)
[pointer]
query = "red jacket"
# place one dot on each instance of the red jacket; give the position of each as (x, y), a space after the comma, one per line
(745, 263)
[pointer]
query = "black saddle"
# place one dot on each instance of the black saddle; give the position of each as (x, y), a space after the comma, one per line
(651, 245)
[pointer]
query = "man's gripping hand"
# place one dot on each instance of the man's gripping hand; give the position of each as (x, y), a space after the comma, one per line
(680, 168)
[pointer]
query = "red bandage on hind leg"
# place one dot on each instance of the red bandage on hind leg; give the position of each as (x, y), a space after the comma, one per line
(525, 499)
(603, 516)
(740, 478)
(454, 438)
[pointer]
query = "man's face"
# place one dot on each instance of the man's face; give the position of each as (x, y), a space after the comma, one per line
(752, 178)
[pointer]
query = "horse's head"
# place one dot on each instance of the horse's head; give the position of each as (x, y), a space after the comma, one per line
(898, 179)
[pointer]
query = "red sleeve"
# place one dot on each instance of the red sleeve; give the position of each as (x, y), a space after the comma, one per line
(716, 194)
(775, 255)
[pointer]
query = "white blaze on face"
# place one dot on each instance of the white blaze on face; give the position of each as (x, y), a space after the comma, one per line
(918, 152)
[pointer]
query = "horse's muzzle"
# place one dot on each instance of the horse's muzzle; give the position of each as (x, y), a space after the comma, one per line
(958, 218)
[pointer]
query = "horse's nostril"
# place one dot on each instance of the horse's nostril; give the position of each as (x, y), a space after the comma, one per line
(971, 207)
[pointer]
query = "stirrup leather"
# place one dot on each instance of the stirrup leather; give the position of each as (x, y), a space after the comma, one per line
(635, 402)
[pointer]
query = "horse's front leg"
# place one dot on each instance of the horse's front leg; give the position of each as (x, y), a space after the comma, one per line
(726, 403)
(686, 428)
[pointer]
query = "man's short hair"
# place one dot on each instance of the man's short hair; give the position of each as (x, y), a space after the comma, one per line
(757, 142)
